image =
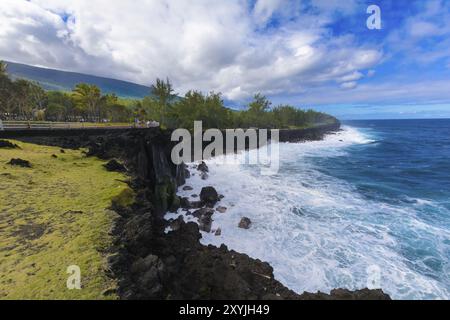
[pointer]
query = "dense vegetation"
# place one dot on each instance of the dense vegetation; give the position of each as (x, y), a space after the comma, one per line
(24, 100)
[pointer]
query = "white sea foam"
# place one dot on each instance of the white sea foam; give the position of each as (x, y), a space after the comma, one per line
(316, 231)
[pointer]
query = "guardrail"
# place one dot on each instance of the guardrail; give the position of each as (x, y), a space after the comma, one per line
(48, 125)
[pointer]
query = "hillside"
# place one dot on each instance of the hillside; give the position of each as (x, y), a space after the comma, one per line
(52, 79)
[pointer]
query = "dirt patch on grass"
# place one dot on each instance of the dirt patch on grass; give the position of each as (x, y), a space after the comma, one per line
(30, 231)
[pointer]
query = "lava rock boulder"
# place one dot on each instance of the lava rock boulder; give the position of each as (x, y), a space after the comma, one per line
(20, 162)
(4, 144)
(209, 196)
(202, 167)
(114, 165)
(245, 223)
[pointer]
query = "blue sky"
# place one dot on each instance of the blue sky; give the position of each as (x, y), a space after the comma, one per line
(308, 53)
(413, 56)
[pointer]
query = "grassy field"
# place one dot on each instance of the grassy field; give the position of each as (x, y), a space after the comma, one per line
(52, 216)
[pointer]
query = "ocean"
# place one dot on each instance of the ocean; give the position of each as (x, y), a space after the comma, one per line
(366, 207)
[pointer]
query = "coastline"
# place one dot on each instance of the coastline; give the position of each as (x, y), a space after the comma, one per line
(150, 264)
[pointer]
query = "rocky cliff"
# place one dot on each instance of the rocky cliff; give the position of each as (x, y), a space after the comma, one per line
(150, 264)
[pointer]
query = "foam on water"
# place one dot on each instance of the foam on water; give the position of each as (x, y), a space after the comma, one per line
(317, 231)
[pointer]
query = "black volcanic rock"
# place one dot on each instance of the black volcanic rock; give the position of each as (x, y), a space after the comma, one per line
(185, 203)
(344, 294)
(203, 212)
(205, 222)
(204, 216)
(209, 195)
(4, 144)
(204, 176)
(182, 173)
(20, 162)
(114, 165)
(202, 167)
(245, 223)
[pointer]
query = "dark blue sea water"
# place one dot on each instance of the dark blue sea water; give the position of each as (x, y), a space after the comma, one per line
(408, 166)
(367, 207)
(409, 159)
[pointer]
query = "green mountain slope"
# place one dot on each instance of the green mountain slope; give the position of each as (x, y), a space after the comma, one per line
(52, 79)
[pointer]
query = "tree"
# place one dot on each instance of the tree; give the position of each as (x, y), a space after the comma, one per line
(139, 111)
(162, 91)
(38, 96)
(213, 113)
(3, 67)
(196, 106)
(286, 116)
(55, 112)
(184, 112)
(63, 102)
(5, 90)
(257, 111)
(7, 105)
(259, 104)
(111, 98)
(88, 99)
(118, 113)
(22, 98)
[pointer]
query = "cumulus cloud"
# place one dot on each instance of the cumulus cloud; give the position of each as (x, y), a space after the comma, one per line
(226, 46)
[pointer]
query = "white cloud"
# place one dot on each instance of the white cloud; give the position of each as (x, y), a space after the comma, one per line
(394, 92)
(352, 77)
(264, 9)
(198, 44)
(349, 85)
(421, 29)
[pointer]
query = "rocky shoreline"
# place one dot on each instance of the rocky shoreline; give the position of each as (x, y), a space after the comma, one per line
(152, 264)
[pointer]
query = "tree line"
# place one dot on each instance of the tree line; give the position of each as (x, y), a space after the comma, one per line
(25, 100)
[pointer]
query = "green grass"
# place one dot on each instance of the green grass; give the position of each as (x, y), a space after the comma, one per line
(54, 215)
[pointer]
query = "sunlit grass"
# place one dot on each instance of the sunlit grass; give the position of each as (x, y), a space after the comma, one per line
(54, 215)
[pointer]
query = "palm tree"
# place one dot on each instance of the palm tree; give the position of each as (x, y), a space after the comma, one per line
(163, 92)
(88, 99)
